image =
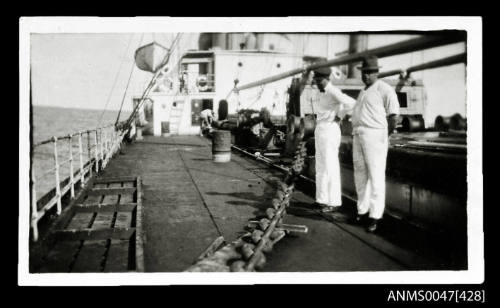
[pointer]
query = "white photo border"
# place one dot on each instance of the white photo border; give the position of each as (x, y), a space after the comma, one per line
(472, 25)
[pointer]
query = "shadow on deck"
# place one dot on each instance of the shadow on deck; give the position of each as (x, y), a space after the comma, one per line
(189, 201)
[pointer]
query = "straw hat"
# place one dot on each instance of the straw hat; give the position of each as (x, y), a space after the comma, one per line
(370, 63)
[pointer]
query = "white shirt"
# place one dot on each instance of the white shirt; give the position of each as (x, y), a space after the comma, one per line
(374, 105)
(207, 113)
(332, 103)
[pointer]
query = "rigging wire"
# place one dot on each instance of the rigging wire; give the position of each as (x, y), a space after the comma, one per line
(149, 87)
(175, 44)
(128, 83)
(116, 79)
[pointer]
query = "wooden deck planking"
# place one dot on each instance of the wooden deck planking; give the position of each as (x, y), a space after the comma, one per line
(92, 199)
(100, 185)
(123, 220)
(127, 198)
(111, 191)
(176, 224)
(112, 199)
(93, 234)
(103, 220)
(90, 257)
(103, 207)
(80, 221)
(231, 193)
(118, 256)
(128, 184)
(60, 257)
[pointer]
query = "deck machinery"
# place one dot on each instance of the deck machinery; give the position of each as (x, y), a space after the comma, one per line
(426, 167)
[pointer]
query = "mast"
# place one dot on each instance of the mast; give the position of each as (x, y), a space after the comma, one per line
(357, 43)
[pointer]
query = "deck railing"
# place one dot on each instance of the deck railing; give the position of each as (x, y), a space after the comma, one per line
(106, 142)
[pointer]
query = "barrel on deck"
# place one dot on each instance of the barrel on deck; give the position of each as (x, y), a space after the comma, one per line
(221, 146)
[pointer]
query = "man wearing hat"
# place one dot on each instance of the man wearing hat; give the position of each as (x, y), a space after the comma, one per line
(330, 106)
(373, 119)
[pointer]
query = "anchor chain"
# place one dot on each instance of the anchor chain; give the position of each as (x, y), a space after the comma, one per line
(247, 253)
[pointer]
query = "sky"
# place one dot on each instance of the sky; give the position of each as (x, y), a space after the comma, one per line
(79, 70)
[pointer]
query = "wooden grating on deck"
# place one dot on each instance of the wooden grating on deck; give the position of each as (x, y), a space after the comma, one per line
(102, 232)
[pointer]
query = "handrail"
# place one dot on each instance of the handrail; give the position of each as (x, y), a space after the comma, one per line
(72, 135)
(99, 154)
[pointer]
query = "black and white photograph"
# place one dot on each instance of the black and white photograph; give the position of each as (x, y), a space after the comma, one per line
(255, 150)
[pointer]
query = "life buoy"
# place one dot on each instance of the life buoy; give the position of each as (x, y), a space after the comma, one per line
(202, 83)
(336, 73)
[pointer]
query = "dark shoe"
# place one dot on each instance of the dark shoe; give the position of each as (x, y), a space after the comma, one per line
(318, 206)
(372, 226)
(360, 219)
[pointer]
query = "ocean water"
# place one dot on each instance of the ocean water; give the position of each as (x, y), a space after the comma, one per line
(48, 122)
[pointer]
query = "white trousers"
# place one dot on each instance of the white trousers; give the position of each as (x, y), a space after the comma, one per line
(370, 147)
(327, 142)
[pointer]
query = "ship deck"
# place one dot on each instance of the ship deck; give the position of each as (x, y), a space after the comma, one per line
(188, 201)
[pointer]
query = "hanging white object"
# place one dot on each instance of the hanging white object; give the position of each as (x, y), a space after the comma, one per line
(150, 57)
(337, 73)
(202, 83)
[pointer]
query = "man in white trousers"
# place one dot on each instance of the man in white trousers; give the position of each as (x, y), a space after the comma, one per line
(329, 108)
(373, 119)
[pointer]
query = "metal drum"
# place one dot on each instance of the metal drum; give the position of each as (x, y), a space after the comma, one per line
(413, 123)
(457, 122)
(221, 146)
(442, 123)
